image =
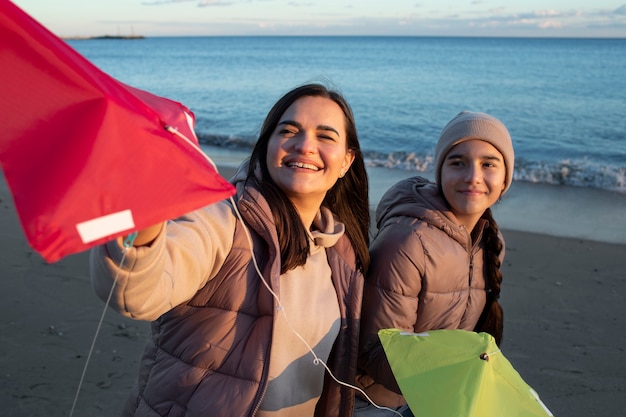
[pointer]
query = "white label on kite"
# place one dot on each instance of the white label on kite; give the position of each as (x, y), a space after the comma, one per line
(104, 226)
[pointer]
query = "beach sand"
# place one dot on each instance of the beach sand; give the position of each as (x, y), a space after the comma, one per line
(564, 300)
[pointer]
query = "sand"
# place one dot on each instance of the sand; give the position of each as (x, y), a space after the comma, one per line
(565, 322)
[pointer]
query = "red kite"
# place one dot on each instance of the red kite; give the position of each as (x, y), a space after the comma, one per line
(86, 157)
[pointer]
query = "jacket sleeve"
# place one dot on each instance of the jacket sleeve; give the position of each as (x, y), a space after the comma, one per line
(153, 279)
(390, 298)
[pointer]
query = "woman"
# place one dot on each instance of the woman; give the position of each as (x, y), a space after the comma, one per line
(222, 343)
(435, 262)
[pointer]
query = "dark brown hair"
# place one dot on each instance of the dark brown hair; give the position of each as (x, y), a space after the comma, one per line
(491, 319)
(347, 199)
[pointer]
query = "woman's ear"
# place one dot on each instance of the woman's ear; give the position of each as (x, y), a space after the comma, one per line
(347, 162)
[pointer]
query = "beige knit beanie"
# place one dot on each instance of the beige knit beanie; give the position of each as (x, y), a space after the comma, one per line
(471, 125)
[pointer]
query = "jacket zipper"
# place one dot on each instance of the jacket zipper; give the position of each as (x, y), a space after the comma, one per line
(264, 390)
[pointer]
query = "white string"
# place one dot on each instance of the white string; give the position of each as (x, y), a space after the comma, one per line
(490, 353)
(128, 243)
(316, 359)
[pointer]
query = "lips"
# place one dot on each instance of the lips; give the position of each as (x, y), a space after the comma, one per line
(472, 192)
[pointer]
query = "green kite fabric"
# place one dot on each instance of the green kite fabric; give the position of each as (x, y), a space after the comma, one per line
(453, 373)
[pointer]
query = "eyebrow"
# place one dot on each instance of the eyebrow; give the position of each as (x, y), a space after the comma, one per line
(299, 126)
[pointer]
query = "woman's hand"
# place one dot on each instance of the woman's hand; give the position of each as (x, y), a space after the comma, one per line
(146, 236)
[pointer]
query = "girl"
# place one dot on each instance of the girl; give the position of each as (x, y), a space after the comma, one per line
(435, 262)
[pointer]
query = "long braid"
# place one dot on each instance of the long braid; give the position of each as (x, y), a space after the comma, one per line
(491, 320)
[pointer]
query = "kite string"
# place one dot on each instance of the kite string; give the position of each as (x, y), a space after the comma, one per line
(316, 359)
(128, 243)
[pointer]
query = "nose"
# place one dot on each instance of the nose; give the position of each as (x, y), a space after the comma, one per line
(305, 142)
(473, 174)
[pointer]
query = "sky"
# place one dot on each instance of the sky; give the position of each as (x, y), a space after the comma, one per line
(518, 18)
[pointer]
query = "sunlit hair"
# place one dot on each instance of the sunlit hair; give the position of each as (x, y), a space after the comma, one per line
(347, 199)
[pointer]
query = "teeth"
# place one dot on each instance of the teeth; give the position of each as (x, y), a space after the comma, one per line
(302, 165)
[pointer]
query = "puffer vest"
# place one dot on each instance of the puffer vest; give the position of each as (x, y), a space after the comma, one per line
(210, 355)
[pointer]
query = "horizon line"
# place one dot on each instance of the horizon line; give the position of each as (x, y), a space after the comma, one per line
(106, 36)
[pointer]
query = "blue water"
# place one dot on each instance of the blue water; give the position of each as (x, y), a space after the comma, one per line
(563, 100)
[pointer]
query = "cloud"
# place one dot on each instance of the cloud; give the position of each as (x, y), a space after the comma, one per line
(550, 24)
(541, 19)
(418, 19)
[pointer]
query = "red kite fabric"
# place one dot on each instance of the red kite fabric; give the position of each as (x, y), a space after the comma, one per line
(86, 157)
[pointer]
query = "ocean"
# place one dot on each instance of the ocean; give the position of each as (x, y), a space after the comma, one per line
(563, 100)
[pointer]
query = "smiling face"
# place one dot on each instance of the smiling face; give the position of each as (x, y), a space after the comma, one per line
(307, 152)
(473, 177)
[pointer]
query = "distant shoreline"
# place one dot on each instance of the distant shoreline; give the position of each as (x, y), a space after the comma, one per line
(105, 37)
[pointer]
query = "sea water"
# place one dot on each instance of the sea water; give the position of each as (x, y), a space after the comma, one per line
(563, 100)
